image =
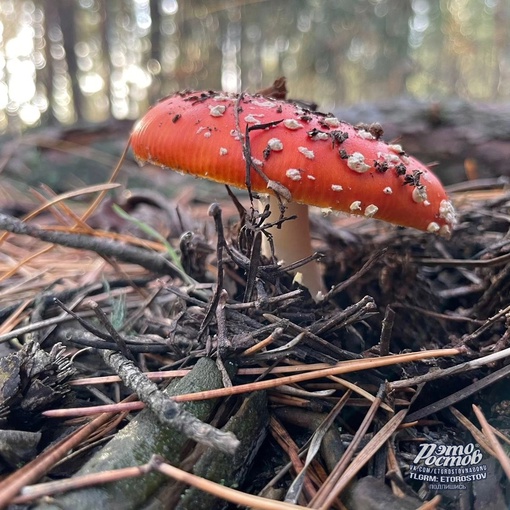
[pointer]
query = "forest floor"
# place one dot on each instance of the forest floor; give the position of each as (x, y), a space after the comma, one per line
(400, 371)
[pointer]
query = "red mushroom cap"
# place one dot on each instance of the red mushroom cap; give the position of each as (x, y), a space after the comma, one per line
(309, 157)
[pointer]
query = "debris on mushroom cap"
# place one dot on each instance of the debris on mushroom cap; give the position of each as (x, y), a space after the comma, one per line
(357, 163)
(298, 151)
(306, 152)
(275, 145)
(355, 206)
(371, 210)
(294, 174)
(217, 110)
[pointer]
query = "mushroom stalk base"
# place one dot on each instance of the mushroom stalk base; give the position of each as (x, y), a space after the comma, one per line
(292, 242)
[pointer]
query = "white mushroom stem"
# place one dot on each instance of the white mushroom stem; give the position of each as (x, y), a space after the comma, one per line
(293, 242)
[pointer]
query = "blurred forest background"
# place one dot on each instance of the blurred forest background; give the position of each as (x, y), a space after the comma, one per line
(63, 61)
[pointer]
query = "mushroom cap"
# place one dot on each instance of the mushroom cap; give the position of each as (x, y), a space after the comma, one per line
(308, 157)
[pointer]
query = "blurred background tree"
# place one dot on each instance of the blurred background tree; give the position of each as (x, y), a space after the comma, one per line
(63, 61)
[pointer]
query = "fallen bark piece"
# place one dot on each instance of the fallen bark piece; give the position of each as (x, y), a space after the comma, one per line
(249, 425)
(18, 446)
(135, 444)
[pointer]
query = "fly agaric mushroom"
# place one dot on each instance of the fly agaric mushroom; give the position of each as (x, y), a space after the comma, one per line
(303, 157)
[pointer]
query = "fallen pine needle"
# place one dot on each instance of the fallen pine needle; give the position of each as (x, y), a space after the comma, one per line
(220, 491)
(31, 492)
(495, 444)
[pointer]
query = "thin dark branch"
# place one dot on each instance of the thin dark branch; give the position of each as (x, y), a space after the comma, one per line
(152, 261)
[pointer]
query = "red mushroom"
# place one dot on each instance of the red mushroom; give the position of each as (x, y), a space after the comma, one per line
(306, 158)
